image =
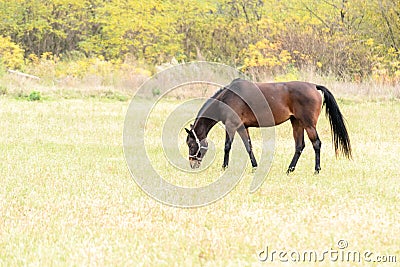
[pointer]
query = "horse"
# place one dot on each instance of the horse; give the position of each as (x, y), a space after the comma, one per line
(243, 104)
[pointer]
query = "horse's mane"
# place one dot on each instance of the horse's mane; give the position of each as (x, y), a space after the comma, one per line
(210, 101)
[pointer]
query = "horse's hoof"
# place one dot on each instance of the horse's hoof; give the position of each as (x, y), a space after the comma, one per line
(254, 169)
(289, 170)
(224, 167)
(317, 171)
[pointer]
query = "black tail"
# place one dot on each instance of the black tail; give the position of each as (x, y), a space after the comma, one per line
(340, 137)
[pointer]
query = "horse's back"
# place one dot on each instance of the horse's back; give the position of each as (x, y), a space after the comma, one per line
(299, 99)
(279, 101)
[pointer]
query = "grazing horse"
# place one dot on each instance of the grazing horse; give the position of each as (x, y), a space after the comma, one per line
(243, 104)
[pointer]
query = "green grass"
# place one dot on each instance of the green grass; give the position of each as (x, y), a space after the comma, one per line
(67, 198)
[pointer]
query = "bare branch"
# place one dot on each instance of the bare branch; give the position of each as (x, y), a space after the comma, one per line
(315, 15)
(391, 34)
(24, 74)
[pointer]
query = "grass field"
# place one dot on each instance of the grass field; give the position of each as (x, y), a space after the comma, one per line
(67, 198)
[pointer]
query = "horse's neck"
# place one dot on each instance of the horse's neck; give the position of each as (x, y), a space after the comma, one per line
(203, 126)
(206, 119)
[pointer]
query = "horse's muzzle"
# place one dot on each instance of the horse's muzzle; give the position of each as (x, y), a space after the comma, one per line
(194, 163)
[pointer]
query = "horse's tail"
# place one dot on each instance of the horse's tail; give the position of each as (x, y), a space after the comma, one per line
(340, 137)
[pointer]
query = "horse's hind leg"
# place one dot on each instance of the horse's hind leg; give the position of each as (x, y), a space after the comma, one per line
(244, 134)
(313, 135)
(298, 135)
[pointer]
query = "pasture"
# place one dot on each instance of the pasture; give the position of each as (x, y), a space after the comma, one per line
(67, 198)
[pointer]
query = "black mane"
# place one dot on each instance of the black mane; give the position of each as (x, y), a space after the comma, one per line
(209, 101)
(217, 95)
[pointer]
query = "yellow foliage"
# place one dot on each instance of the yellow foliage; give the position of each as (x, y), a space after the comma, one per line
(370, 42)
(33, 59)
(11, 55)
(266, 54)
(386, 68)
(342, 37)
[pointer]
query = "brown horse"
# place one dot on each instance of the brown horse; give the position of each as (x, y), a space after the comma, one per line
(243, 104)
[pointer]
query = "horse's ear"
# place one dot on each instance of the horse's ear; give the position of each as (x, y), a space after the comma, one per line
(188, 131)
(191, 126)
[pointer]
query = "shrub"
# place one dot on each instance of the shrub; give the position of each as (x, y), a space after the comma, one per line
(35, 96)
(11, 55)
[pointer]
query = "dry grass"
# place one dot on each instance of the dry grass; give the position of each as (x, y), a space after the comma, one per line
(67, 197)
(123, 85)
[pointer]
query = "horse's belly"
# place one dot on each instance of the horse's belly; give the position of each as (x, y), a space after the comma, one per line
(263, 119)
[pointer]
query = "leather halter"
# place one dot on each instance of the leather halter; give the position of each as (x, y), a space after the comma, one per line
(198, 142)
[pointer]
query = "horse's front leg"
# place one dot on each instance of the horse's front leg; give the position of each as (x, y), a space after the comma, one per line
(230, 133)
(244, 134)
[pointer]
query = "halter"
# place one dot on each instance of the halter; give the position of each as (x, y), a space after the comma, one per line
(199, 147)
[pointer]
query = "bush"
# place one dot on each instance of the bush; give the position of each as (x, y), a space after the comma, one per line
(35, 96)
(11, 55)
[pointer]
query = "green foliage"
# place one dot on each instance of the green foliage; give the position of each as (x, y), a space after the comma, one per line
(291, 74)
(348, 39)
(156, 91)
(34, 96)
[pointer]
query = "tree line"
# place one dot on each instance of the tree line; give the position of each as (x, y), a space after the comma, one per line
(353, 39)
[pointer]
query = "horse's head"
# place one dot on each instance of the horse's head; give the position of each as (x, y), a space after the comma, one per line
(197, 148)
